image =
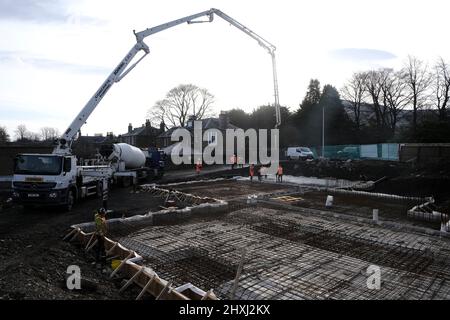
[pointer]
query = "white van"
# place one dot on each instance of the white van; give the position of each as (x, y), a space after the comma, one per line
(297, 153)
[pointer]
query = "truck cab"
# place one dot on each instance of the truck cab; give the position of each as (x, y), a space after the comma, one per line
(45, 179)
(155, 160)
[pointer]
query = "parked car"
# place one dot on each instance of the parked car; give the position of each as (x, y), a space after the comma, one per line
(299, 153)
(348, 153)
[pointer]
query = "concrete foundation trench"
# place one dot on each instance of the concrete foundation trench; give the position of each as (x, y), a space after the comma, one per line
(254, 242)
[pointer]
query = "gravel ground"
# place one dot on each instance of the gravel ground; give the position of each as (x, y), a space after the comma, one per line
(34, 259)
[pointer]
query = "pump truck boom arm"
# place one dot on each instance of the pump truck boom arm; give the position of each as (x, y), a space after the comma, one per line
(266, 45)
(65, 141)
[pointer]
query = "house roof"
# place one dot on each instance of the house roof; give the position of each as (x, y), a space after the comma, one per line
(168, 133)
(207, 123)
(92, 139)
(214, 123)
(139, 131)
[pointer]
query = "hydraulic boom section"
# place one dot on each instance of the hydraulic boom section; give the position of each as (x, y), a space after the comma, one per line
(65, 141)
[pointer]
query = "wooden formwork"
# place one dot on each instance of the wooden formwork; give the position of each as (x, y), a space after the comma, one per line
(142, 276)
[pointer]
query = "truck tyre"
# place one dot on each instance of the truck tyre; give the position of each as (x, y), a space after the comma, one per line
(70, 201)
(126, 182)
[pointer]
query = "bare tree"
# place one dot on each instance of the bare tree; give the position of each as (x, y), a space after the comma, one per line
(395, 97)
(353, 91)
(180, 103)
(49, 133)
(4, 136)
(33, 136)
(441, 88)
(373, 84)
(418, 81)
(21, 132)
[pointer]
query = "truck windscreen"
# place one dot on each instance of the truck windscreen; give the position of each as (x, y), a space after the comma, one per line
(37, 164)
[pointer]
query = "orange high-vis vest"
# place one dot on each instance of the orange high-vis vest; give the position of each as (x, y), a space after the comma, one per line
(280, 170)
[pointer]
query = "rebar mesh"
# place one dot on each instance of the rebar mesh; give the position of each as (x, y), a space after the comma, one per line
(290, 255)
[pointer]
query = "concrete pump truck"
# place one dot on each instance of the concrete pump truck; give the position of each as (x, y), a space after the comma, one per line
(58, 178)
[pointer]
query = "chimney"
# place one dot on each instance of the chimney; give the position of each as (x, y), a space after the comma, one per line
(147, 123)
(190, 122)
(130, 128)
(223, 120)
(162, 126)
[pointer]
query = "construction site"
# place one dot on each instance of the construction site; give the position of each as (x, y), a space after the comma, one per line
(122, 218)
(215, 237)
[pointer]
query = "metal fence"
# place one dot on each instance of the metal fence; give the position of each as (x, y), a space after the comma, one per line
(382, 151)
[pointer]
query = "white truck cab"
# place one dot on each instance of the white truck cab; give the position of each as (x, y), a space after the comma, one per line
(299, 153)
(50, 179)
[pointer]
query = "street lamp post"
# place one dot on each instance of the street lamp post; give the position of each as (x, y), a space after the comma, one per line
(323, 130)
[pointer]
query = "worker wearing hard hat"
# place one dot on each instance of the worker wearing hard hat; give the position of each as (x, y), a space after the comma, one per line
(252, 171)
(233, 161)
(280, 173)
(100, 232)
(198, 166)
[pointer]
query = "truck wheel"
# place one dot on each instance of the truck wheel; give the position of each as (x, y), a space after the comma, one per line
(126, 182)
(70, 201)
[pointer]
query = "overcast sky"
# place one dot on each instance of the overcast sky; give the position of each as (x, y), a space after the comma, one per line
(54, 54)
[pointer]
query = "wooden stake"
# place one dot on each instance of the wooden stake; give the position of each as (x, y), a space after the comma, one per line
(130, 281)
(69, 234)
(145, 288)
(207, 294)
(75, 235)
(93, 245)
(164, 290)
(89, 242)
(112, 248)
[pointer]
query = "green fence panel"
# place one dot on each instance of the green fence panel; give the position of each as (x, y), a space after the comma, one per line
(382, 151)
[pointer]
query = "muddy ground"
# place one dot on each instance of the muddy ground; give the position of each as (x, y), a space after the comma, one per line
(34, 259)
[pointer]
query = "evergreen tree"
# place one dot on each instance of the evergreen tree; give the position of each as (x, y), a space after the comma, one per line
(313, 94)
(338, 126)
(308, 119)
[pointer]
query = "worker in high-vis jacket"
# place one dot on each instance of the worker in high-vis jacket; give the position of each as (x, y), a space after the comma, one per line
(252, 171)
(101, 229)
(198, 167)
(280, 173)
